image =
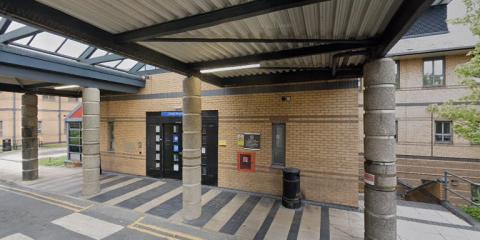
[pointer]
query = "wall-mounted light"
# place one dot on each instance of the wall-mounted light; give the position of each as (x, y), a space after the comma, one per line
(66, 87)
(223, 69)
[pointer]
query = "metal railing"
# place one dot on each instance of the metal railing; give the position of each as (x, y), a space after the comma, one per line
(447, 189)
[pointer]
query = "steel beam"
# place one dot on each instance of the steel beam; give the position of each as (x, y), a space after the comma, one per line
(15, 57)
(4, 24)
(18, 34)
(136, 68)
(102, 59)
(260, 40)
(292, 77)
(212, 18)
(87, 53)
(50, 19)
(289, 53)
(15, 88)
(403, 19)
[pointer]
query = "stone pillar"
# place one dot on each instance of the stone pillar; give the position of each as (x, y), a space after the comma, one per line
(29, 137)
(91, 141)
(192, 143)
(379, 149)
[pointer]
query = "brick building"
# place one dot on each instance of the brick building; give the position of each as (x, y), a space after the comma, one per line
(51, 113)
(426, 59)
(317, 120)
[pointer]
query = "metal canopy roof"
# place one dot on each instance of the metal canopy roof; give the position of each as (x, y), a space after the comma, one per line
(38, 61)
(301, 40)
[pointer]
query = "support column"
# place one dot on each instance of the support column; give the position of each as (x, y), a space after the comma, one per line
(379, 149)
(91, 141)
(29, 137)
(192, 143)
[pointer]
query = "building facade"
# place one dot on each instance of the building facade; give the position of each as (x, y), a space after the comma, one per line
(426, 59)
(51, 113)
(310, 126)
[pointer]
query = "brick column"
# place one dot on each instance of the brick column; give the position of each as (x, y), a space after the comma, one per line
(379, 149)
(91, 141)
(29, 137)
(192, 143)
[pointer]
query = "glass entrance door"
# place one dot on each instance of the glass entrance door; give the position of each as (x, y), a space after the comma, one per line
(172, 150)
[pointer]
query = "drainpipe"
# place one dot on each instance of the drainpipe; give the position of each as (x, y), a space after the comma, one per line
(14, 112)
(59, 119)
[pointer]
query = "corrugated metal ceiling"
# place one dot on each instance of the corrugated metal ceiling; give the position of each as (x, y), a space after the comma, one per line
(336, 19)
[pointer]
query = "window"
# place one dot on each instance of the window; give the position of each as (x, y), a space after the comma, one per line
(278, 144)
(39, 127)
(443, 131)
(111, 136)
(1, 129)
(48, 98)
(433, 72)
(74, 140)
(397, 73)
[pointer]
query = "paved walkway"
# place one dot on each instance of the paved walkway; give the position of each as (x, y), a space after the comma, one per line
(251, 216)
(43, 152)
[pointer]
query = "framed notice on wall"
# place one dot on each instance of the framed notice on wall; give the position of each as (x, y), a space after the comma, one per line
(246, 162)
(251, 141)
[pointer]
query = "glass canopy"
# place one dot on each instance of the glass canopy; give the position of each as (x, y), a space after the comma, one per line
(22, 36)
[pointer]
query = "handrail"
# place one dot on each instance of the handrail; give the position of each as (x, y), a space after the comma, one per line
(447, 189)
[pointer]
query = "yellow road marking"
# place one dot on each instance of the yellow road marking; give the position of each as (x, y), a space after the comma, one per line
(44, 199)
(159, 232)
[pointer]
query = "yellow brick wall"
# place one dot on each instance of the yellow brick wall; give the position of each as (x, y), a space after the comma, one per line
(321, 137)
(47, 113)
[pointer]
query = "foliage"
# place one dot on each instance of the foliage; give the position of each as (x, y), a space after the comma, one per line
(473, 211)
(53, 162)
(465, 114)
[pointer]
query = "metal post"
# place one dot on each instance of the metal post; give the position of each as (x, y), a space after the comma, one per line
(445, 186)
(379, 144)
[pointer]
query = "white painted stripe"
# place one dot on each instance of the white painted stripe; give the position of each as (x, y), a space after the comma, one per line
(134, 193)
(159, 200)
(281, 224)
(17, 236)
(87, 226)
(118, 185)
(310, 223)
(177, 217)
(254, 221)
(226, 212)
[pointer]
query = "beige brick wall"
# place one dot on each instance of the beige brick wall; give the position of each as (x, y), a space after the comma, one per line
(47, 114)
(425, 158)
(321, 137)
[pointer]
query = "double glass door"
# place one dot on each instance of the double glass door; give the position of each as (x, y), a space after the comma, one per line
(168, 151)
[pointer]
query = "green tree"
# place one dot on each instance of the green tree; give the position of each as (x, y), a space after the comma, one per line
(465, 114)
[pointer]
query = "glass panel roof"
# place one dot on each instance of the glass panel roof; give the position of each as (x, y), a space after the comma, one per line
(98, 53)
(24, 41)
(111, 64)
(72, 48)
(127, 64)
(14, 26)
(47, 41)
(62, 47)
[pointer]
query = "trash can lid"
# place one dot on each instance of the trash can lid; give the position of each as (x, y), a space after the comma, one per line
(291, 170)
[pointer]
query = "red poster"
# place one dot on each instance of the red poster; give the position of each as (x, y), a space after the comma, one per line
(246, 162)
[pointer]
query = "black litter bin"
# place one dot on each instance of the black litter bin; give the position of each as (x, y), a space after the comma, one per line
(291, 188)
(7, 145)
